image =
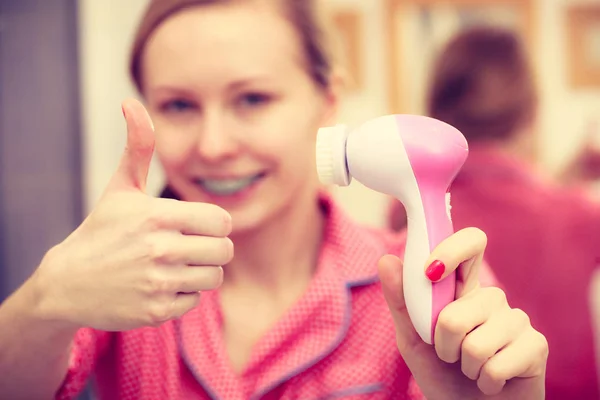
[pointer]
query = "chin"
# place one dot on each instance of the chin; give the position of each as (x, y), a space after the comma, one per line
(255, 215)
(247, 221)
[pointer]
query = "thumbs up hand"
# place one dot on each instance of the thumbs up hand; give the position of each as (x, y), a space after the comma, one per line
(136, 260)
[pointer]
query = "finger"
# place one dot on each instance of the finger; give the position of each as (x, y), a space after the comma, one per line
(193, 218)
(178, 249)
(463, 315)
(486, 340)
(199, 279)
(390, 275)
(463, 249)
(524, 358)
(183, 303)
(172, 307)
(166, 281)
(135, 162)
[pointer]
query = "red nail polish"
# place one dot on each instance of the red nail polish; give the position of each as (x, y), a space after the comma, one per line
(435, 270)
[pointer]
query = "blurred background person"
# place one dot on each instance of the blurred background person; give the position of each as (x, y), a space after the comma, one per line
(583, 172)
(482, 84)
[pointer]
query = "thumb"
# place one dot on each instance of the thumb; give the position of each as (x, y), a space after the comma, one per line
(132, 172)
(390, 275)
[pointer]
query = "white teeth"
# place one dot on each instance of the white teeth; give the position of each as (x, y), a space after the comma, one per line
(227, 186)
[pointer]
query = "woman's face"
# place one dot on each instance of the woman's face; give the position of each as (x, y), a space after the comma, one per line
(235, 111)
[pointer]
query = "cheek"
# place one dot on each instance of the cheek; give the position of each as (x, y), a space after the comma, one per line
(172, 150)
(293, 131)
(292, 149)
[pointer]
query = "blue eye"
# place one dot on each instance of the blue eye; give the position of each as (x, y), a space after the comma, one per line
(178, 105)
(254, 99)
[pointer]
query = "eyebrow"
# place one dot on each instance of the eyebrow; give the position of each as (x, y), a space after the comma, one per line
(239, 84)
(170, 90)
(234, 86)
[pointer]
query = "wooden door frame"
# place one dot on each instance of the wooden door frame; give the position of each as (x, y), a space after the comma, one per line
(396, 59)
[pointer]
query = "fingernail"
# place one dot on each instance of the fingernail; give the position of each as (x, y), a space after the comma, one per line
(123, 109)
(435, 270)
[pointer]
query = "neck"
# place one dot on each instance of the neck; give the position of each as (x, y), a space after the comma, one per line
(282, 252)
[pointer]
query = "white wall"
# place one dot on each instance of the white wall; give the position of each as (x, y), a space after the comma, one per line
(566, 112)
(368, 102)
(106, 33)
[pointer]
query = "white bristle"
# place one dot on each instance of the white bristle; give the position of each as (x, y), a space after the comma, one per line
(331, 156)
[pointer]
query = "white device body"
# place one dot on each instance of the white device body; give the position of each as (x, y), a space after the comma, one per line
(387, 154)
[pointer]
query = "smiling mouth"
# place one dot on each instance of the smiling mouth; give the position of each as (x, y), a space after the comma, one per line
(228, 187)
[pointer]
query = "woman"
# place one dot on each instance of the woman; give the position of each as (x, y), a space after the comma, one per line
(482, 84)
(236, 91)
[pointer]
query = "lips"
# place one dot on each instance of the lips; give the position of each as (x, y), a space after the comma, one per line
(228, 186)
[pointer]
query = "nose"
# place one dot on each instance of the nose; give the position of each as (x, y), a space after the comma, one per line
(215, 141)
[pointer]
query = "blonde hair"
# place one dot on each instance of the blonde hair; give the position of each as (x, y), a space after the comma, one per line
(304, 15)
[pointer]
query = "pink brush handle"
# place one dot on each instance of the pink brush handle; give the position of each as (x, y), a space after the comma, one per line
(435, 152)
(428, 225)
(439, 227)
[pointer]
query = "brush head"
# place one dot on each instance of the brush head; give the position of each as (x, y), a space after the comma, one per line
(332, 167)
(404, 155)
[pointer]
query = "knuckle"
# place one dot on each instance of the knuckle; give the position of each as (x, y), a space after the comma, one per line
(227, 223)
(520, 317)
(196, 297)
(469, 374)
(158, 251)
(448, 323)
(218, 277)
(478, 235)
(490, 388)
(222, 219)
(157, 284)
(159, 313)
(219, 250)
(468, 370)
(193, 303)
(448, 353)
(154, 219)
(474, 349)
(493, 372)
(214, 278)
(543, 346)
(496, 294)
(207, 278)
(54, 256)
(227, 250)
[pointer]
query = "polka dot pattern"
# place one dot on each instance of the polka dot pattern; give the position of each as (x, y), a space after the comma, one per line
(336, 342)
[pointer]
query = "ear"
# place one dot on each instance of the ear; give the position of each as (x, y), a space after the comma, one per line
(333, 97)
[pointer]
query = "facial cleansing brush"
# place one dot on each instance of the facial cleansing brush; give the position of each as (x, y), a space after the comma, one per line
(414, 159)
